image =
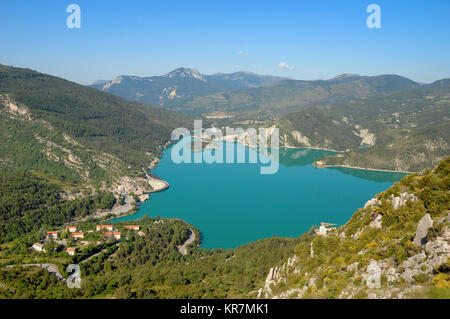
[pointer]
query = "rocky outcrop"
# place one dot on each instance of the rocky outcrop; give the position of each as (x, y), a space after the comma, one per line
(373, 275)
(402, 199)
(376, 223)
(439, 246)
(13, 107)
(367, 138)
(422, 230)
(140, 186)
(143, 198)
(277, 275)
(353, 267)
(372, 202)
(300, 139)
(405, 260)
(321, 231)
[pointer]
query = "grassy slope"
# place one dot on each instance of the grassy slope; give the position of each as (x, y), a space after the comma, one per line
(332, 254)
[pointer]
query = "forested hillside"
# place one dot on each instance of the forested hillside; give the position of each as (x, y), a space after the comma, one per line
(292, 95)
(396, 246)
(407, 130)
(75, 132)
(29, 204)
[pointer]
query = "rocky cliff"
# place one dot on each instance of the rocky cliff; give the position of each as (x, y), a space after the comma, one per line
(396, 246)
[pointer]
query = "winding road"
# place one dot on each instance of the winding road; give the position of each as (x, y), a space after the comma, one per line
(51, 268)
(96, 254)
(190, 240)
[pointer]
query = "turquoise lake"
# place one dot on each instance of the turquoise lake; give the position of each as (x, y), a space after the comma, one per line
(233, 204)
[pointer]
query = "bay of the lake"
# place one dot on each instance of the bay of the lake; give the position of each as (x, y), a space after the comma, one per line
(233, 204)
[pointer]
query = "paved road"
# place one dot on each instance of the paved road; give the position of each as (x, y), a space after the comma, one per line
(124, 208)
(191, 238)
(51, 268)
(96, 254)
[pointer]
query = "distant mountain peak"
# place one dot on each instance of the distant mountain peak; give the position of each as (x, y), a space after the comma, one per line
(245, 72)
(186, 73)
(345, 76)
(100, 82)
(108, 84)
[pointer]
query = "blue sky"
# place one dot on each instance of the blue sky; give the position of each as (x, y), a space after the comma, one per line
(319, 38)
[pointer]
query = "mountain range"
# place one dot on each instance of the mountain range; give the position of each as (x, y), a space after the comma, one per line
(180, 84)
(245, 94)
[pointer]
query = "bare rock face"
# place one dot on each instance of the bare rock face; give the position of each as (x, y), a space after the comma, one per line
(301, 139)
(373, 275)
(276, 276)
(353, 267)
(441, 245)
(376, 223)
(143, 197)
(356, 235)
(437, 253)
(321, 231)
(402, 199)
(422, 230)
(372, 202)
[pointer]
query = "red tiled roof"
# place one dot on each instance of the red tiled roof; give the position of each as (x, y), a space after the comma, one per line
(76, 234)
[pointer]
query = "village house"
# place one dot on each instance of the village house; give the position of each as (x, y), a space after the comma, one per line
(52, 234)
(71, 229)
(133, 227)
(71, 251)
(116, 235)
(78, 235)
(38, 247)
(101, 227)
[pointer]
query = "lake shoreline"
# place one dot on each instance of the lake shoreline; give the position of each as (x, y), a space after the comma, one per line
(170, 204)
(361, 168)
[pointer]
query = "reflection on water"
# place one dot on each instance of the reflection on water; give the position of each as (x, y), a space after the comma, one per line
(233, 204)
(376, 176)
(301, 157)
